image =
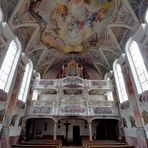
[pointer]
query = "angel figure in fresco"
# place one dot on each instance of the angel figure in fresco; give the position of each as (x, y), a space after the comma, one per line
(145, 117)
(60, 11)
(132, 120)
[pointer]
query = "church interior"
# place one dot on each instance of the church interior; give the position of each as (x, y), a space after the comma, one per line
(74, 73)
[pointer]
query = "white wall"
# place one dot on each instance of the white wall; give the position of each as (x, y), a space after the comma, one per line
(73, 122)
(61, 129)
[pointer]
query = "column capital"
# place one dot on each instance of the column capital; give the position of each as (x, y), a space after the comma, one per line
(89, 121)
(55, 121)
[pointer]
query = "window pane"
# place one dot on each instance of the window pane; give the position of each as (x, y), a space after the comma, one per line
(146, 16)
(1, 15)
(24, 83)
(4, 77)
(7, 70)
(13, 51)
(8, 62)
(1, 73)
(11, 57)
(120, 80)
(2, 84)
(139, 67)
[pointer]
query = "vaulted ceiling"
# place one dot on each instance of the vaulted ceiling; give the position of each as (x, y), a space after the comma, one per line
(93, 32)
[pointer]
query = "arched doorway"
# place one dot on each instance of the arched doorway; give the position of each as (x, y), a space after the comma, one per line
(39, 128)
(105, 129)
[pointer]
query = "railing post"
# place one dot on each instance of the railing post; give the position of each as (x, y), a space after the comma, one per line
(55, 130)
(90, 130)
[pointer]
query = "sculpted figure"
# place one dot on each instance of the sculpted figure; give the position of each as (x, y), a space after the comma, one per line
(13, 120)
(132, 120)
(2, 114)
(145, 117)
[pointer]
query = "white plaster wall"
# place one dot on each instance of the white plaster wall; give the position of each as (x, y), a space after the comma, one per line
(73, 122)
(81, 123)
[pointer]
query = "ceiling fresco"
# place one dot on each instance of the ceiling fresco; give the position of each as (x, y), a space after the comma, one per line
(71, 26)
(27, 33)
(92, 32)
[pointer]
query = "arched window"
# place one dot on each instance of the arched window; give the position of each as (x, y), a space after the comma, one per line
(120, 83)
(7, 65)
(110, 96)
(146, 16)
(25, 82)
(35, 95)
(1, 15)
(138, 68)
(109, 93)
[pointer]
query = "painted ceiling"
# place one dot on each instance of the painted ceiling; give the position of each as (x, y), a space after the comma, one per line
(93, 32)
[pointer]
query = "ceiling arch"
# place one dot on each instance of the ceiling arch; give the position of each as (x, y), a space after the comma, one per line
(91, 32)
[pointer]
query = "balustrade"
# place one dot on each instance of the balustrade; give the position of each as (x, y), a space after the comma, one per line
(77, 109)
(72, 81)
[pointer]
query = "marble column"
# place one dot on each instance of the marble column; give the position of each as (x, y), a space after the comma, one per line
(55, 130)
(90, 131)
(5, 141)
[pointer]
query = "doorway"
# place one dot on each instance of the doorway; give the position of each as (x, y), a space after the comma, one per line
(30, 129)
(76, 135)
(107, 129)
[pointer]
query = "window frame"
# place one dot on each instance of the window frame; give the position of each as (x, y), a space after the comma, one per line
(1, 15)
(23, 92)
(135, 65)
(146, 16)
(13, 44)
(118, 83)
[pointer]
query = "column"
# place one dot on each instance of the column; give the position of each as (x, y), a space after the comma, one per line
(86, 96)
(90, 131)
(121, 133)
(55, 130)
(28, 106)
(5, 141)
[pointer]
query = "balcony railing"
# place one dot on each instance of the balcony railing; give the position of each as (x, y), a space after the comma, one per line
(72, 109)
(75, 109)
(72, 82)
(99, 84)
(45, 84)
